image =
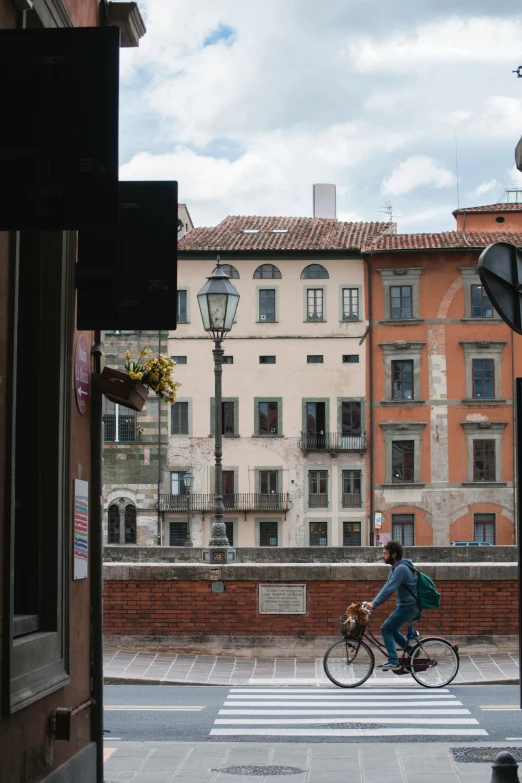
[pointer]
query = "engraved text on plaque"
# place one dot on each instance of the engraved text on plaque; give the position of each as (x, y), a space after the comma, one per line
(282, 599)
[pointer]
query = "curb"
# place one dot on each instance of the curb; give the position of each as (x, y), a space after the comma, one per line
(144, 681)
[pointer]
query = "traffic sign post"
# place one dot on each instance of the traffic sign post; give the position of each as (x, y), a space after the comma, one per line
(82, 375)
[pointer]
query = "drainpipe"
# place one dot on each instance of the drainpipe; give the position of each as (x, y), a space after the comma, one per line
(159, 456)
(96, 536)
(370, 395)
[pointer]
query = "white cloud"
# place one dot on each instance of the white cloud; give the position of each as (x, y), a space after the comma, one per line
(486, 187)
(501, 117)
(515, 177)
(416, 171)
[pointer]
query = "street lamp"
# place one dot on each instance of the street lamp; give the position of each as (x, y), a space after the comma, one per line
(218, 300)
(188, 478)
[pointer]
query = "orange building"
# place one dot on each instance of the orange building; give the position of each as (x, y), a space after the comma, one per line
(440, 386)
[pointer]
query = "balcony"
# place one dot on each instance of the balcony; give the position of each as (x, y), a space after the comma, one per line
(352, 500)
(232, 502)
(318, 501)
(333, 441)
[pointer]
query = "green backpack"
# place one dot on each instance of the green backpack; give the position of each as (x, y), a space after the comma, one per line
(428, 597)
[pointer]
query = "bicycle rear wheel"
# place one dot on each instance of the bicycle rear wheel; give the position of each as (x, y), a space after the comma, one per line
(348, 663)
(434, 663)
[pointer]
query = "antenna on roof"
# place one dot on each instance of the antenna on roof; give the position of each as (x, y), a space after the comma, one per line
(457, 169)
(388, 210)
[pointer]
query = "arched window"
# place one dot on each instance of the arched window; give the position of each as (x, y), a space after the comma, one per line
(130, 524)
(267, 272)
(314, 272)
(113, 536)
(231, 271)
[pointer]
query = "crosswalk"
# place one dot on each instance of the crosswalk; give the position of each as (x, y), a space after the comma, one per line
(330, 712)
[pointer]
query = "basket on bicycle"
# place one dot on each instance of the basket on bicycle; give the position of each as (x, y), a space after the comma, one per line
(349, 627)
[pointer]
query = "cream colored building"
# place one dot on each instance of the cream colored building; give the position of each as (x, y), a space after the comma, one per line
(294, 385)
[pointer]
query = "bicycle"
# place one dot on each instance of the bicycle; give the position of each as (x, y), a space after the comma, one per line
(433, 663)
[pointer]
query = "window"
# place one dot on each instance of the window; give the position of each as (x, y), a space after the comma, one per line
(351, 358)
(314, 272)
(267, 360)
(500, 219)
(267, 304)
(113, 533)
(481, 306)
(318, 533)
(351, 534)
(402, 461)
(228, 483)
(351, 480)
(318, 488)
(484, 528)
(229, 527)
(177, 483)
(350, 304)
(402, 379)
(268, 418)
(178, 533)
(267, 272)
(179, 359)
(179, 419)
(315, 358)
(231, 271)
(484, 460)
(182, 307)
(314, 304)
(350, 418)
(228, 360)
(268, 482)
(119, 423)
(228, 418)
(403, 527)
(315, 418)
(268, 533)
(401, 301)
(130, 524)
(483, 378)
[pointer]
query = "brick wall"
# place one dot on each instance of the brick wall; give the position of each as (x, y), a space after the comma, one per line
(177, 608)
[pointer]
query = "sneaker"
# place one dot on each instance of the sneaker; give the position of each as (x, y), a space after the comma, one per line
(388, 666)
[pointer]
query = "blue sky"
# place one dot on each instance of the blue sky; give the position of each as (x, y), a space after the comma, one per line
(248, 104)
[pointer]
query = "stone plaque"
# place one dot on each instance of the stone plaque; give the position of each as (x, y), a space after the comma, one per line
(282, 599)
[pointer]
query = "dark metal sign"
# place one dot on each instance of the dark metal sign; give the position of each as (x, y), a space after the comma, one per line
(500, 272)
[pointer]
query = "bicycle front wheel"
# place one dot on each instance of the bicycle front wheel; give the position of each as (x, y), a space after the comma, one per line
(348, 663)
(434, 663)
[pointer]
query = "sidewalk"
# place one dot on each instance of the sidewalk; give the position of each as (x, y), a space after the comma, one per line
(132, 666)
(247, 762)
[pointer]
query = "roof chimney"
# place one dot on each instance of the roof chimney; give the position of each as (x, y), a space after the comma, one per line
(324, 201)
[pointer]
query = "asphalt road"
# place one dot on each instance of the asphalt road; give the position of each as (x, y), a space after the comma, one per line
(191, 713)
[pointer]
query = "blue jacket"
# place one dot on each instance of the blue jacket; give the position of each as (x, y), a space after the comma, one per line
(400, 575)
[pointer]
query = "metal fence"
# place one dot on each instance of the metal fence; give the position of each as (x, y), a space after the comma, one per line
(232, 502)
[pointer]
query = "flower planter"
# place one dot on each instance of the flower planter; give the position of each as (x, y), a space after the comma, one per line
(122, 389)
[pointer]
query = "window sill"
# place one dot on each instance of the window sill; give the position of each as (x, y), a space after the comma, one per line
(401, 321)
(316, 321)
(471, 320)
(484, 401)
(264, 321)
(257, 435)
(484, 483)
(403, 402)
(405, 485)
(350, 320)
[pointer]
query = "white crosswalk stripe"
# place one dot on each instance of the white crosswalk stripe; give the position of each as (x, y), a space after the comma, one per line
(385, 712)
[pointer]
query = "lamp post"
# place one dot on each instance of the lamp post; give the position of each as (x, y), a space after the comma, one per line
(188, 478)
(218, 300)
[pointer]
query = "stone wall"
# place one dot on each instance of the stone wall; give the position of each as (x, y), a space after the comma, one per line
(173, 606)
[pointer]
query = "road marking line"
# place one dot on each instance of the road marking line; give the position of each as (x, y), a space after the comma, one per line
(500, 707)
(107, 753)
(111, 739)
(343, 704)
(333, 695)
(344, 712)
(128, 708)
(348, 732)
(513, 739)
(308, 721)
(312, 690)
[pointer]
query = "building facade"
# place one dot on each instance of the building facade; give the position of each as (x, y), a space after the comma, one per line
(442, 365)
(294, 412)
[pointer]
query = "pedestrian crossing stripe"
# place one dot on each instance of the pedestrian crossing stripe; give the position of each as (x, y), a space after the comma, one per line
(326, 712)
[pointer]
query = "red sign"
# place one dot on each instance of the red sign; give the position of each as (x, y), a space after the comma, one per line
(82, 375)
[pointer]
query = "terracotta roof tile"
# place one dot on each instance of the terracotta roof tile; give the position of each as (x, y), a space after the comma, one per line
(446, 240)
(490, 208)
(296, 233)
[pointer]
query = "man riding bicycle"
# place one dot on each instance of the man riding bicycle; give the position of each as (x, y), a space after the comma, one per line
(403, 582)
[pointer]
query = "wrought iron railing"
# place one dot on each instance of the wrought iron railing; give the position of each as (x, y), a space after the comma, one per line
(352, 500)
(333, 441)
(233, 502)
(318, 501)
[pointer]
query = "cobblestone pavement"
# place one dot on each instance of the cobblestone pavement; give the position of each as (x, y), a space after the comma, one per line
(207, 762)
(132, 665)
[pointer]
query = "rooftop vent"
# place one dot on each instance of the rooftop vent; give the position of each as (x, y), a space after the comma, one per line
(279, 231)
(250, 231)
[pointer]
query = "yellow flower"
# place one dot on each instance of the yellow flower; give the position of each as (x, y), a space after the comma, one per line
(128, 354)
